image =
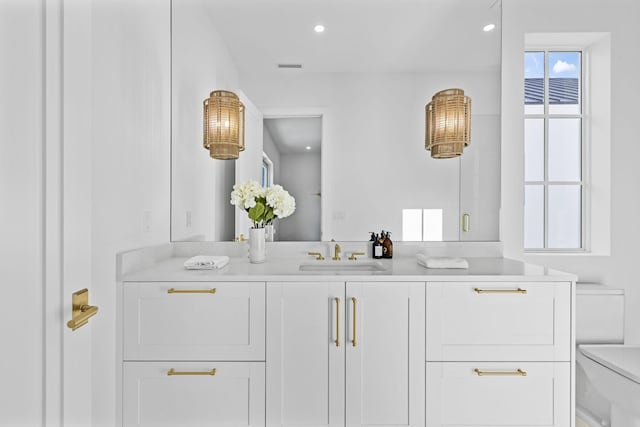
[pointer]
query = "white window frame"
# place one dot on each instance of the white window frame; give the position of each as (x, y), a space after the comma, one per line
(268, 165)
(584, 168)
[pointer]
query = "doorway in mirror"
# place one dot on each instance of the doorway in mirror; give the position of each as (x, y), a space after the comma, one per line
(292, 147)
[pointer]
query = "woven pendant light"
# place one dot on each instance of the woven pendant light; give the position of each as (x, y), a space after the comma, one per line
(448, 123)
(223, 120)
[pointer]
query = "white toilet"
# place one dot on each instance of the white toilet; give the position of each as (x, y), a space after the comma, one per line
(608, 373)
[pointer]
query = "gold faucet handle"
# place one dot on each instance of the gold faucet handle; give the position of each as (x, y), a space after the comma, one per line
(318, 255)
(353, 255)
(336, 254)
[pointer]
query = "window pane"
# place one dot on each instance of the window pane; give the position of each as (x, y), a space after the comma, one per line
(564, 83)
(565, 150)
(565, 213)
(533, 216)
(534, 149)
(411, 225)
(433, 225)
(534, 83)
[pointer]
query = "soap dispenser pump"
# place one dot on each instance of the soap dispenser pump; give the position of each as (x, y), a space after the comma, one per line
(377, 247)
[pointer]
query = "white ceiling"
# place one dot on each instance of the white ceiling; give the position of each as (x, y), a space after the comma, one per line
(361, 35)
(292, 135)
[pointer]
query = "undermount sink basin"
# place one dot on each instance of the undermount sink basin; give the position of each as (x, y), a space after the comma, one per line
(342, 266)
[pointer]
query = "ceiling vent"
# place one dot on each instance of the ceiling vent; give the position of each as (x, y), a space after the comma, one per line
(290, 66)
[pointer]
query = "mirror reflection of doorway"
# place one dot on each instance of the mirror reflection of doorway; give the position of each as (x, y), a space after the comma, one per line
(292, 158)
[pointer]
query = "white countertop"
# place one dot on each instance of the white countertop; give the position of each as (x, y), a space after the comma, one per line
(405, 268)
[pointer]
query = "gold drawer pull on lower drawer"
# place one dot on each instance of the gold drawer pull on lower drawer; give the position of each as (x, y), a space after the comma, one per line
(191, 291)
(172, 371)
(500, 291)
(518, 373)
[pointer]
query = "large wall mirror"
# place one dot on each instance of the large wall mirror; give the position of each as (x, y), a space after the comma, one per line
(337, 117)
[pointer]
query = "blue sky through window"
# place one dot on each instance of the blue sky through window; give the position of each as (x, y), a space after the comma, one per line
(561, 64)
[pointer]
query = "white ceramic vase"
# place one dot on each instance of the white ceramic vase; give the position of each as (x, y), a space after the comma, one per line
(257, 246)
(270, 232)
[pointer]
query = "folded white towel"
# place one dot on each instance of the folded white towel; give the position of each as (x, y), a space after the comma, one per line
(441, 262)
(206, 262)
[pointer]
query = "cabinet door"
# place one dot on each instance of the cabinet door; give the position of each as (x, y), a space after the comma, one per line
(385, 354)
(170, 321)
(233, 396)
(502, 394)
(498, 321)
(305, 354)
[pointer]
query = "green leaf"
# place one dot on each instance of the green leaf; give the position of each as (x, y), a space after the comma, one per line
(256, 212)
(268, 216)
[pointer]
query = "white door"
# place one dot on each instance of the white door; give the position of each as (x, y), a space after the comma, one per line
(46, 209)
(480, 181)
(67, 209)
(305, 354)
(385, 354)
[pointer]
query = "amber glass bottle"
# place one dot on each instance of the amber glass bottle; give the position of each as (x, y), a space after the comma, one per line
(387, 246)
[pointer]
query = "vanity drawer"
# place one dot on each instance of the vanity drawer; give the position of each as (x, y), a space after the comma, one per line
(233, 396)
(496, 321)
(194, 321)
(502, 396)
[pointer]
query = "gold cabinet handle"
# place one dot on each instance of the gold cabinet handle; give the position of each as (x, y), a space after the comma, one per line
(355, 321)
(191, 291)
(337, 321)
(81, 311)
(172, 371)
(500, 291)
(516, 373)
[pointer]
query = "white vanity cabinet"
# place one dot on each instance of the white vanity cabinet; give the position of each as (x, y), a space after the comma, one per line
(269, 345)
(345, 353)
(193, 354)
(498, 354)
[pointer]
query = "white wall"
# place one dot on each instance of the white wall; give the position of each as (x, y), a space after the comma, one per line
(620, 18)
(200, 185)
(300, 176)
(374, 161)
(21, 215)
(131, 160)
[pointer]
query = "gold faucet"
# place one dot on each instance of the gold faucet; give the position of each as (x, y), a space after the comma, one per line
(318, 255)
(336, 255)
(353, 255)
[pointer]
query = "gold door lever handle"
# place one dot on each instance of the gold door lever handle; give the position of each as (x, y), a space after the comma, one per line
(516, 373)
(191, 291)
(172, 371)
(500, 291)
(81, 311)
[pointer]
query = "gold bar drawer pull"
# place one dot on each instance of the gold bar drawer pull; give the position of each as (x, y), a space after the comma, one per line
(172, 371)
(500, 291)
(516, 373)
(191, 291)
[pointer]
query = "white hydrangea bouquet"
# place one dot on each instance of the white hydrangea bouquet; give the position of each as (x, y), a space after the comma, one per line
(263, 205)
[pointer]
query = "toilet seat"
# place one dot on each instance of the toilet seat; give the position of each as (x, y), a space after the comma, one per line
(622, 359)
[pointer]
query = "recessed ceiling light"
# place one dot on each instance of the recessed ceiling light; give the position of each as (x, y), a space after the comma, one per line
(488, 27)
(319, 28)
(308, 147)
